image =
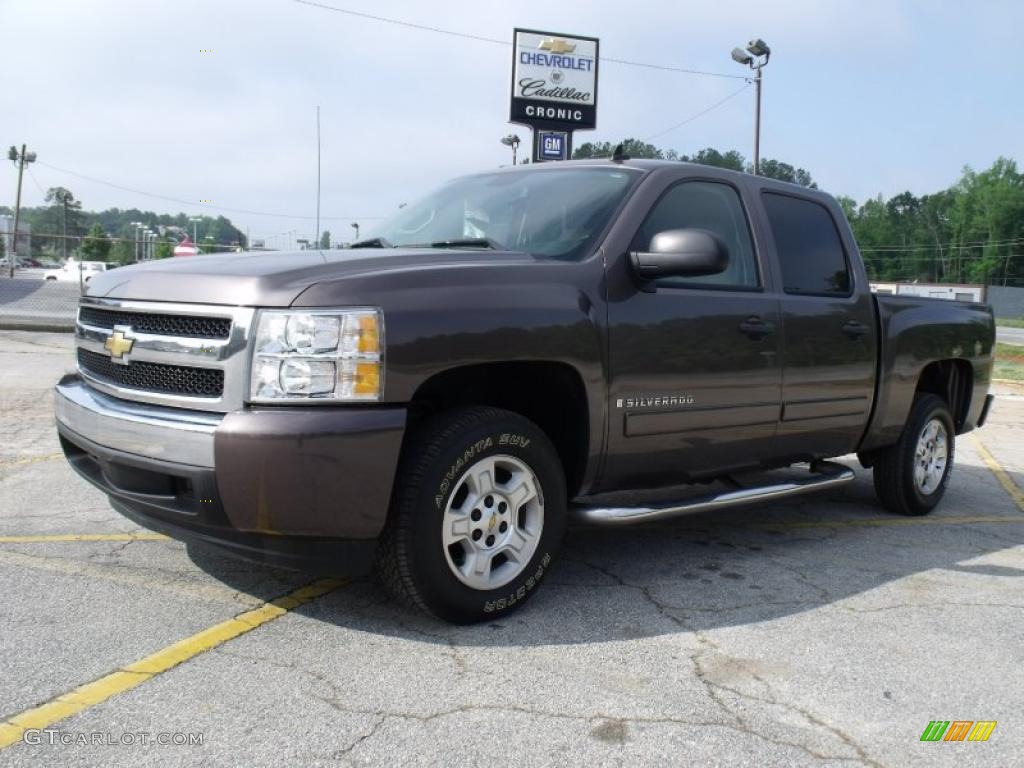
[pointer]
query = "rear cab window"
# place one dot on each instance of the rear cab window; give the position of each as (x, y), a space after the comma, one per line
(810, 251)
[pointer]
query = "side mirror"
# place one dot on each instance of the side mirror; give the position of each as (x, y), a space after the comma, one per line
(681, 253)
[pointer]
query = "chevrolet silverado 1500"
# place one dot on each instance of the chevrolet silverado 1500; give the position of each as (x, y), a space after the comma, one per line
(440, 398)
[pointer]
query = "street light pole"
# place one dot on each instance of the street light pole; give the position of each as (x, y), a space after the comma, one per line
(756, 57)
(21, 158)
(512, 141)
(757, 123)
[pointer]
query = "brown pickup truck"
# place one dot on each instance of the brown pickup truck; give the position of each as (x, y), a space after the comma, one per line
(440, 398)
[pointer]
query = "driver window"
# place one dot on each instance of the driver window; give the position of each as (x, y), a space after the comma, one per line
(713, 207)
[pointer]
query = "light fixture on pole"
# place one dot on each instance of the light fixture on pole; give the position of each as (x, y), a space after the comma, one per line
(755, 56)
(355, 226)
(512, 141)
(194, 220)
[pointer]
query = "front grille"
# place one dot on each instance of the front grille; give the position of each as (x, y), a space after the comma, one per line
(195, 326)
(154, 377)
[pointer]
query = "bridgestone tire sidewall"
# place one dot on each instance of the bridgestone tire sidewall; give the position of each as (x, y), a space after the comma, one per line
(439, 588)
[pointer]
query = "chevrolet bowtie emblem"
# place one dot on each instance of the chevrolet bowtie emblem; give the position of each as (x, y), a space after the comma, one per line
(557, 45)
(118, 345)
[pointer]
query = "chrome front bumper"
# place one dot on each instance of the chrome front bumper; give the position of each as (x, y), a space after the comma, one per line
(149, 431)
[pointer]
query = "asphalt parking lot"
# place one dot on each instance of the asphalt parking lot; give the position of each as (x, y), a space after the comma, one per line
(818, 631)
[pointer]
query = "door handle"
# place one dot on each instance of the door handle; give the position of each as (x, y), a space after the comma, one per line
(855, 329)
(756, 328)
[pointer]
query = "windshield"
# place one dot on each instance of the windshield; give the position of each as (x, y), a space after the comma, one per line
(556, 213)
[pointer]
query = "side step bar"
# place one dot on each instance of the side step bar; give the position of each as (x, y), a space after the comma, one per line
(826, 474)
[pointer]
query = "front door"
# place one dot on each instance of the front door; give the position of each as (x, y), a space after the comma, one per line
(695, 370)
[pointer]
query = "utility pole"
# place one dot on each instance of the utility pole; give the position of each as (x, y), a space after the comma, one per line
(318, 175)
(21, 159)
(64, 240)
(68, 200)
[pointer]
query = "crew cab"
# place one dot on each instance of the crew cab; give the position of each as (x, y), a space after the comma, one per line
(442, 396)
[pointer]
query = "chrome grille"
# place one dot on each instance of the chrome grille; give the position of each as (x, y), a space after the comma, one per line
(154, 377)
(196, 326)
(179, 356)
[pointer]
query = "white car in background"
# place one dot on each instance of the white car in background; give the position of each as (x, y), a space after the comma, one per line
(69, 272)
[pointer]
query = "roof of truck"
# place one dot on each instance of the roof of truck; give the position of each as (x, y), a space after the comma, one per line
(650, 166)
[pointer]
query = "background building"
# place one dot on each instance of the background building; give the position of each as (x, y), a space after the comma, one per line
(24, 236)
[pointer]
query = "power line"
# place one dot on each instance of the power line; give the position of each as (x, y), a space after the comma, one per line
(200, 205)
(703, 112)
(948, 247)
(919, 258)
(506, 43)
(34, 179)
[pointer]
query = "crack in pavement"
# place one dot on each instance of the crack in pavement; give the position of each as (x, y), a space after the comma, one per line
(714, 689)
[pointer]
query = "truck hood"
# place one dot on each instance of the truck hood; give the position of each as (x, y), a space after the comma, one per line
(275, 279)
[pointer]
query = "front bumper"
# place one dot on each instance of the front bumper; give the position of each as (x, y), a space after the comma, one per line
(297, 486)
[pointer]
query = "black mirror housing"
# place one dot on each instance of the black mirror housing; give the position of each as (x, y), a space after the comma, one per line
(681, 253)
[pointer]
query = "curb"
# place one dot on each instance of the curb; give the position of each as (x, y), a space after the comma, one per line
(51, 326)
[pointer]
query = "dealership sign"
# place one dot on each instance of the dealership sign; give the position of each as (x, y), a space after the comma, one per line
(554, 80)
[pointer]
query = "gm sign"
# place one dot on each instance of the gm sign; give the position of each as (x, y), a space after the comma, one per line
(551, 145)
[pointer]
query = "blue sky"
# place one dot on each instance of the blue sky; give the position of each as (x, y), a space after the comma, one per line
(870, 97)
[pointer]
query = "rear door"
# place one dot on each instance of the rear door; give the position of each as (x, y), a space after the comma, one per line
(828, 330)
(695, 371)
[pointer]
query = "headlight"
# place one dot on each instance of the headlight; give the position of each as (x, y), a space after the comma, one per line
(317, 355)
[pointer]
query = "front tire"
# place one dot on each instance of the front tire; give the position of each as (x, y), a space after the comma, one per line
(911, 476)
(477, 515)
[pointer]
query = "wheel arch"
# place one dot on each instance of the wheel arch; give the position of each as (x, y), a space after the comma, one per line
(953, 381)
(551, 394)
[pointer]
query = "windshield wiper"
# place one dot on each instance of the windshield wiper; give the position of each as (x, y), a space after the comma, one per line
(463, 242)
(373, 242)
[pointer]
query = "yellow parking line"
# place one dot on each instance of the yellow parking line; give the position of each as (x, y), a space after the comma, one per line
(132, 675)
(30, 460)
(44, 538)
(1001, 475)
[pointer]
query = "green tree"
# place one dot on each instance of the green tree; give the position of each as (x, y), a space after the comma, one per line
(96, 245)
(633, 148)
(776, 169)
(122, 252)
(163, 248)
(325, 240)
(731, 160)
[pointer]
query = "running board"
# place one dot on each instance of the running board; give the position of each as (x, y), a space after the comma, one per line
(826, 475)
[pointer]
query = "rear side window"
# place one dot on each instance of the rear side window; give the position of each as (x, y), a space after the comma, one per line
(810, 252)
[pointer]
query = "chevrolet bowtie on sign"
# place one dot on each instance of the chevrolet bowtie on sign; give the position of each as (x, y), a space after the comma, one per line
(554, 80)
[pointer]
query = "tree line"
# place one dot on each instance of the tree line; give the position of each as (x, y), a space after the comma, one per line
(971, 232)
(110, 235)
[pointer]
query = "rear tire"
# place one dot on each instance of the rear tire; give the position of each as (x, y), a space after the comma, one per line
(477, 515)
(911, 476)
